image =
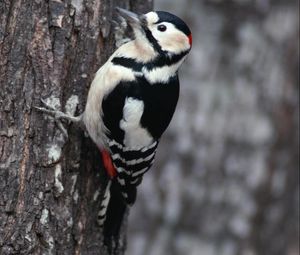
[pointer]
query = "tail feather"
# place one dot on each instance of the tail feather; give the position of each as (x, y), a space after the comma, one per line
(104, 205)
(115, 212)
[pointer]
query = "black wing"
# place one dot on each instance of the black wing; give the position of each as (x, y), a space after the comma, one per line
(159, 99)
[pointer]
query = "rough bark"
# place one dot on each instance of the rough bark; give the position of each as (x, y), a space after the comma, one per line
(50, 188)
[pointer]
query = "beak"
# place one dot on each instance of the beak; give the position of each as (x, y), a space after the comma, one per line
(130, 17)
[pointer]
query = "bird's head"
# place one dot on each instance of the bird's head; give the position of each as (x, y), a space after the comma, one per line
(163, 31)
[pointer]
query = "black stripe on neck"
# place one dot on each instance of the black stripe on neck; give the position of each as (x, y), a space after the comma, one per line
(128, 63)
(153, 41)
(165, 60)
(159, 61)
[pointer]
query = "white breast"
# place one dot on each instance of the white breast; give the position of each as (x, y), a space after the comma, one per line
(136, 136)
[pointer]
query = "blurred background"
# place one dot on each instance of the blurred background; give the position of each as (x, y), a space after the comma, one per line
(226, 178)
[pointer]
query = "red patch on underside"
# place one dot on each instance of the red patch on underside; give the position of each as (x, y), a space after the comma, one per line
(108, 164)
(190, 39)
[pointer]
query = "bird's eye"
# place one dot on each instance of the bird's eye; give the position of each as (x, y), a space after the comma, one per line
(162, 28)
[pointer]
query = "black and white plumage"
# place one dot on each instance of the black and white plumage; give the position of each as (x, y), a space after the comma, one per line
(133, 97)
(130, 104)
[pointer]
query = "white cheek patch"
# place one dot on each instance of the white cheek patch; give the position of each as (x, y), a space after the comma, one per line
(171, 40)
(133, 111)
(135, 135)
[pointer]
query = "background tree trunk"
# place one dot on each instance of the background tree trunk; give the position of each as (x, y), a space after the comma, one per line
(226, 176)
(50, 188)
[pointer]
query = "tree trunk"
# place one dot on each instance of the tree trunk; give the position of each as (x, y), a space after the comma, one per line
(50, 187)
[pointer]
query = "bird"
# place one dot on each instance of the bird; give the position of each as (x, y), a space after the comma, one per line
(130, 104)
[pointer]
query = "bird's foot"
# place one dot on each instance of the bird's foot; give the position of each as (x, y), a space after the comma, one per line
(58, 116)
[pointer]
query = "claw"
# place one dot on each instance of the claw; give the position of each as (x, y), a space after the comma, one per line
(47, 105)
(62, 129)
(58, 116)
(44, 110)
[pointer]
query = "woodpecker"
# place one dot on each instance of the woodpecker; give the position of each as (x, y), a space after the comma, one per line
(131, 102)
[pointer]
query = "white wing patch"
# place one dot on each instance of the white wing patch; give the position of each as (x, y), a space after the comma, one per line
(135, 135)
